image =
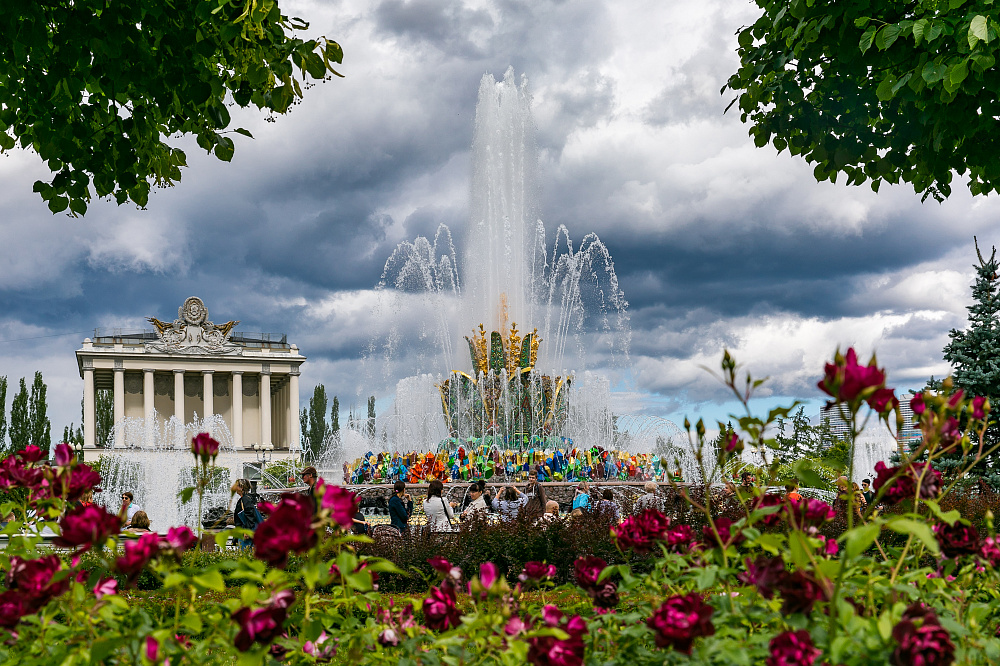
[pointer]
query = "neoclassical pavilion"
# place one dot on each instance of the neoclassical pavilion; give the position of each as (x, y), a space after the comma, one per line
(192, 366)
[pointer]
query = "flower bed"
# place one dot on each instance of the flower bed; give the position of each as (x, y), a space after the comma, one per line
(738, 578)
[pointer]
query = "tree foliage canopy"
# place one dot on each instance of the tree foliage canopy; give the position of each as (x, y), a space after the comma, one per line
(97, 87)
(877, 90)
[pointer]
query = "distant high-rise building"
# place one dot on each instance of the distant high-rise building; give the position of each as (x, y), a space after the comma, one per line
(839, 428)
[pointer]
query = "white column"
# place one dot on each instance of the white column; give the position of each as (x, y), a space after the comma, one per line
(119, 397)
(89, 404)
(293, 410)
(147, 403)
(238, 409)
(265, 407)
(179, 404)
(209, 392)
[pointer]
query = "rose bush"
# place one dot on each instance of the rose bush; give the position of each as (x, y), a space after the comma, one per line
(736, 575)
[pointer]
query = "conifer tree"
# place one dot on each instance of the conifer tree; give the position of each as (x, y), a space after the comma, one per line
(20, 426)
(975, 352)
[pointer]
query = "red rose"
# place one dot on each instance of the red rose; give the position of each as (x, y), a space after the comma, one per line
(550, 651)
(31, 454)
(87, 526)
(262, 625)
(958, 539)
(765, 573)
(537, 571)
(287, 529)
(847, 381)
(33, 579)
(204, 447)
(808, 512)
(980, 407)
(792, 648)
(640, 531)
(904, 486)
(917, 404)
(724, 527)
(766, 501)
(680, 620)
(799, 592)
(137, 555)
(588, 569)
(921, 639)
(12, 608)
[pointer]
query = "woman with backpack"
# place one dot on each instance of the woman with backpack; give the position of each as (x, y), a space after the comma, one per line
(245, 513)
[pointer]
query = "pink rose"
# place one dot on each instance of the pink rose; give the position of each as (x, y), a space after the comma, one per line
(440, 611)
(904, 486)
(958, 539)
(588, 569)
(33, 579)
(340, 502)
(204, 447)
(180, 539)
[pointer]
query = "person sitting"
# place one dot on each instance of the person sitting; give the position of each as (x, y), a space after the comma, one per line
(509, 502)
(551, 514)
(129, 507)
(438, 511)
(400, 507)
(477, 506)
(140, 522)
(650, 499)
(606, 506)
(359, 525)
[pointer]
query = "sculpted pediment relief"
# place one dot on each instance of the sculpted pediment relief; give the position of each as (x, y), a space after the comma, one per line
(193, 333)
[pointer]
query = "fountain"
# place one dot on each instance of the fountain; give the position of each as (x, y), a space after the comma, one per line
(153, 460)
(508, 403)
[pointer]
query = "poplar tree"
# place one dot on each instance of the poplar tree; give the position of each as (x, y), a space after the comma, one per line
(39, 426)
(335, 416)
(3, 413)
(20, 427)
(104, 424)
(371, 416)
(312, 420)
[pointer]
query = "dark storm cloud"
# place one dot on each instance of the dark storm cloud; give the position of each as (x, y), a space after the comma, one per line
(445, 24)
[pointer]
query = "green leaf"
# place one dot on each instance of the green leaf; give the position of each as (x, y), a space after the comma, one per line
(933, 72)
(866, 39)
(885, 90)
(862, 21)
(185, 494)
(860, 539)
(211, 580)
(978, 31)
(886, 36)
(102, 648)
(224, 149)
(937, 27)
(58, 204)
(807, 476)
(919, 30)
(958, 73)
(885, 625)
(244, 132)
(746, 38)
(706, 578)
(917, 528)
(945, 516)
(192, 621)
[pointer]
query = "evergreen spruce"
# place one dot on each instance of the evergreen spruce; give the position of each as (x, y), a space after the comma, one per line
(20, 426)
(975, 352)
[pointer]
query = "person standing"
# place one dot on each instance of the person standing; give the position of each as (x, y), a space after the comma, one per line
(866, 490)
(309, 477)
(400, 507)
(650, 499)
(437, 510)
(477, 507)
(509, 502)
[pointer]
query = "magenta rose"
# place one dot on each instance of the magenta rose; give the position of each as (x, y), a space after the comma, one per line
(990, 551)
(489, 573)
(980, 407)
(137, 555)
(440, 611)
(588, 569)
(734, 444)
(203, 446)
(792, 648)
(681, 619)
(921, 640)
(847, 381)
(765, 573)
(446, 568)
(904, 486)
(605, 595)
(679, 538)
(63, 455)
(808, 512)
(537, 571)
(639, 532)
(767, 501)
(34, 580)
(262, 625)
(12, 608)
(917, 404)
(883, 400)
(87, 526)
(340, 502)
(287, 529)
(31, 454)
(180, 539)
(70, 483)
(550, 651)
(800, 592)
(958, 539)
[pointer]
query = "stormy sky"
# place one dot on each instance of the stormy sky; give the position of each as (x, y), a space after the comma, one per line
(717, 244)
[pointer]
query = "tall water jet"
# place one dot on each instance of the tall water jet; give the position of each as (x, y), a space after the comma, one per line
(527, 312)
